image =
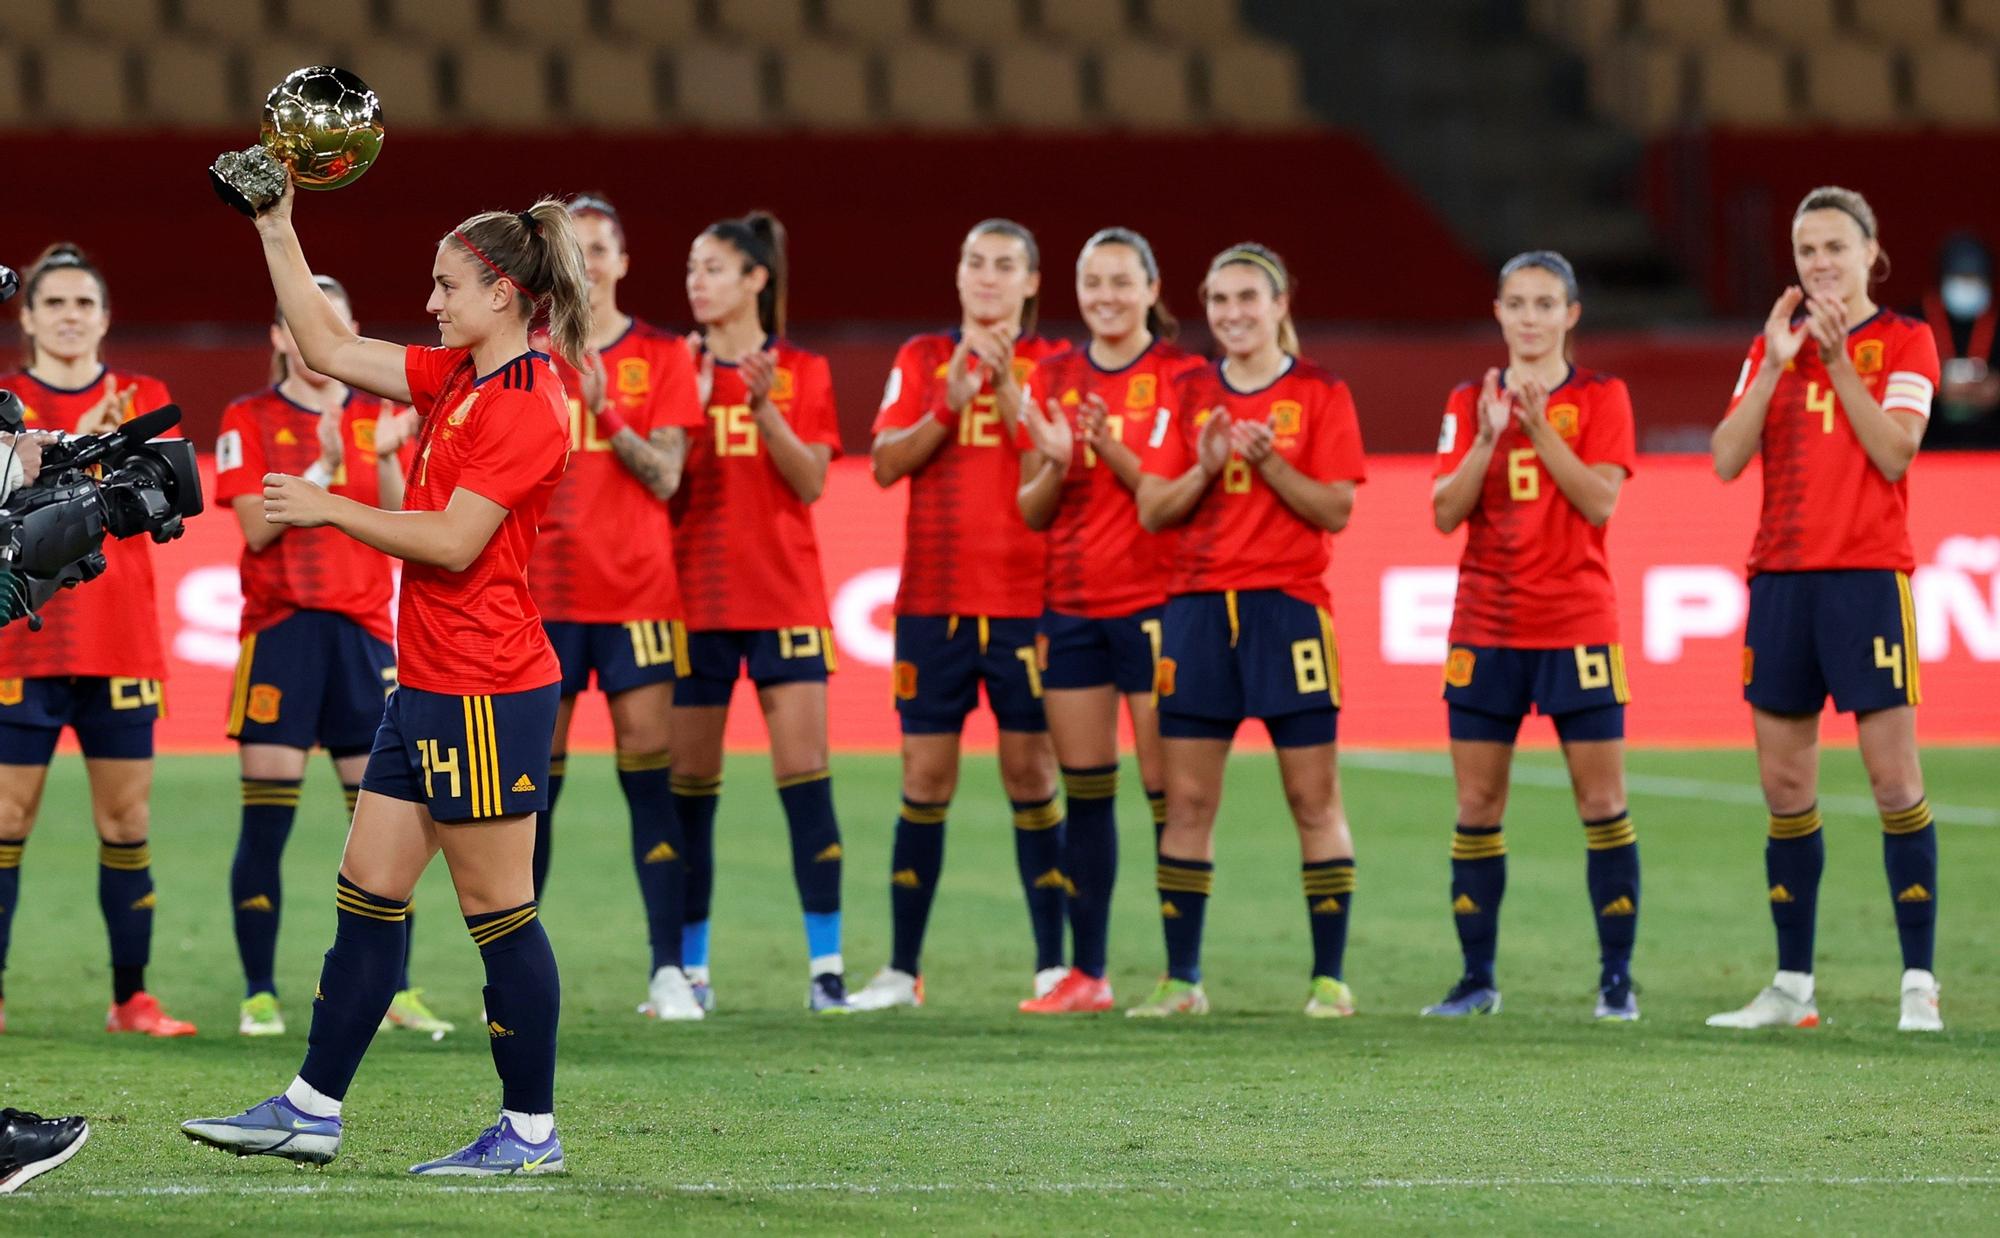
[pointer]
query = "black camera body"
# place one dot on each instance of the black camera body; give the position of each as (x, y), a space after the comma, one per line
(118, 484)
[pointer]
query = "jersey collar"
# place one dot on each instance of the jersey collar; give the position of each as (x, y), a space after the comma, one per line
(1222, 375)
(278, 391)
(1569, 376)
(102, 370)
(1144, 353)
(510, 361)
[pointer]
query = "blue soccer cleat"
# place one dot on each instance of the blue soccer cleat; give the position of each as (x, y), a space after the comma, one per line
(275, 1128)
(828, 994)
(1469, 996)
(1616, 1002)
(498, 1150)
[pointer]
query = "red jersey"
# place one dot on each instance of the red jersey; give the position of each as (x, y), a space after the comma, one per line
(107, 626)
(744, 538)
(1825, 505)
(1241, 535)
(1534, 573)
(966, 550)
(306, 569)
(606, 550)
(1102, 563)
(505, 437)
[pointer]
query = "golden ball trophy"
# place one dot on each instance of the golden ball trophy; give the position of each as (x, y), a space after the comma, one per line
(322, 129)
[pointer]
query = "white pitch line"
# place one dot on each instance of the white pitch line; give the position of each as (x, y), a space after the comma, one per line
(1504, 1182)
(1668, 786)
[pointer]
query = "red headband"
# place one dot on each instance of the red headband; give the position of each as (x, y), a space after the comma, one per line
(494, 267)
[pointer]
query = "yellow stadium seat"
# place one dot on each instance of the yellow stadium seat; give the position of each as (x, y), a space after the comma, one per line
(188, 84)
(1146, 86)
(718, 85)
(1254, 84)
(1956, 83)
(349, 22)
(764, 21)
(1745, 82)
(1905, 23)
(615, 86)
(407, 76)
(1980, 17)
(871, 21)
(977, 21)
(663, 21)
(13, 91)
(1087, 22)
(133, 21)
(1686, 22)
(1851, 83)
(84, 84)
(826, 86)
(1796, 21)
(1037, 86)
(930, 86)
(1195, 21)
(447, 22)
(235, 20)
(23, 20)
(549, 21)
(1642, 83)
(503, 84)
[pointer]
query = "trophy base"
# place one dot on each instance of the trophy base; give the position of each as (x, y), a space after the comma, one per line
(248, 180)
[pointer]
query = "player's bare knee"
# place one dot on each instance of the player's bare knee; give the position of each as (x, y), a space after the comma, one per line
(1599, 806)
(1481, 805)
(124, 822)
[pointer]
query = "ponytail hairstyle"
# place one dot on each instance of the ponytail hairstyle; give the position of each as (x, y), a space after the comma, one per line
(1265, 259)
(536, 251)
(1557, 265)
(333, 291)
(61, 256)
(760, 238)
(1031, 307)
(1159, 322)
(1855, 207)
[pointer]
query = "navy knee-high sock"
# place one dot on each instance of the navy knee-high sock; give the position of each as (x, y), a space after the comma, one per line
(1090, 861)
(256, 883)
(523, 1004)
(915, 861)
(1329, 889)
(1910, 856)
(695, 802)
(1038, 851)
(545, 822)
(647, 780)
(1611, 870)
(1184, 887)
(1794, 857)
(816, 864)
(125, 895)
(1478, 883)
(1156, 801)
(356, 984)
(10, 895)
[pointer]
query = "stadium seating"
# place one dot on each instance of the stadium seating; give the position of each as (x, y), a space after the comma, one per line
(719, 85)
(827, 86)
(503, 85)
(1143, 86)
(1746, 83)
(13, 90)
(350, 22)
(1037, 86)
(187, 84)
(27, 19)
(85, 84)
(930, 86)
(614, 87)
(1955, 83)
(1851, 83)
(781, 22)
(871, 21)
(663, 21)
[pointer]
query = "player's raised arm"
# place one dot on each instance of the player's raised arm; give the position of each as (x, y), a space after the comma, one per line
(913, 423)
(1736, 439)
(1465, 449)
(326, 341)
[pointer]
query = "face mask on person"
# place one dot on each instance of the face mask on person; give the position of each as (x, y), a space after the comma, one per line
(1965, 296)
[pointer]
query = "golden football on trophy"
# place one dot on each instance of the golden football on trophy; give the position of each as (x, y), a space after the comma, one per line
(322, 129)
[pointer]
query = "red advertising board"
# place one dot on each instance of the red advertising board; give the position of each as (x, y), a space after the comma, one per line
(1677, 543)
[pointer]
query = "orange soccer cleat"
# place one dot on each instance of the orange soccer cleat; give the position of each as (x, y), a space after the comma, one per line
(1075, 993)
(142, 1013)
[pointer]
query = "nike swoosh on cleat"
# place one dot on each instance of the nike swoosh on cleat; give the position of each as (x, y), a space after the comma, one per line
(531, 1166)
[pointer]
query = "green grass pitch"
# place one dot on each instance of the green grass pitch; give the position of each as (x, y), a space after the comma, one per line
(968, 1116)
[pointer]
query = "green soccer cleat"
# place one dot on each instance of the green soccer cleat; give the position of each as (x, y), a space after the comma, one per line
(409, 1013)
(1171, 997)
(261, 1016)
(1330, 999)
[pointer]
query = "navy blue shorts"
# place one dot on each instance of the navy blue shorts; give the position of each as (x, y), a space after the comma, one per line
(1076, 652)
(623, 655)
(941, 660)
(1489, 689)
(113, 717)
(1851, 635)
(1256, 654)
(466, 758)
(768, 656)
(315, 678)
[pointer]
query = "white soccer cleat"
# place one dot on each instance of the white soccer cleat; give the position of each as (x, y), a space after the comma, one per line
(670, 997)
(889, 988)
(1777, 1006)
(1920, 1003)
(1048, 978)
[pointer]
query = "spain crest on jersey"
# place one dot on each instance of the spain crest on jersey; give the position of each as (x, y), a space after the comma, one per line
(635, 376)
(1566, 418)
(1868, 357)
(1287, 416)
(364, 435)
(1143, 391)
(12, 691)
(1023, 367)
(783, 386)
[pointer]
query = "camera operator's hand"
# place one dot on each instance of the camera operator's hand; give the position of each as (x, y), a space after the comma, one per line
(295, 501)
(27, 452)
(108, 413)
